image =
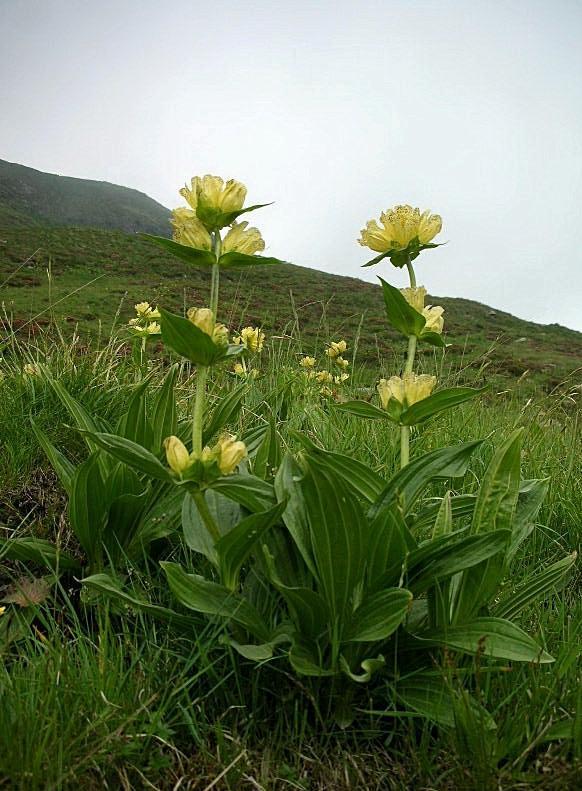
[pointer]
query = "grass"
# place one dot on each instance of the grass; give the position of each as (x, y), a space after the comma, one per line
(87, 280)
(127, 702)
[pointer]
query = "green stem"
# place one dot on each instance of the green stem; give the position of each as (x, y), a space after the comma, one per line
(206, 516)
(411, 352)
(217, 249)
(198, 413)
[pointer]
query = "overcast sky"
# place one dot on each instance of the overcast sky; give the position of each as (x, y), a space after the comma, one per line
(336, 111)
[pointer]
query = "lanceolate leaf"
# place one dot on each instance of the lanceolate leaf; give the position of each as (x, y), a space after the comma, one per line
(225, 411)
(406, 486)
(165, 418)
(535, 588)
(37, 550)
(438, 402)
(201, 258)
(60, 464)
(234, 548)
(188, 340)
(236, 260)
(379, 615)
(402, 316)
(133, 454)
(247, 490)
(362, 409)
(197, 593)
(529, 501)
(492, 637)
(88, 506)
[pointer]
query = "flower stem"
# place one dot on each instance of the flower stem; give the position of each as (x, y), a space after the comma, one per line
(206, 516)
(216, 248)
(198, 413)
(405, 430)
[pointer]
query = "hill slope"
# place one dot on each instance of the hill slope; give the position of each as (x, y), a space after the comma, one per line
(48, 199)
(94, 271)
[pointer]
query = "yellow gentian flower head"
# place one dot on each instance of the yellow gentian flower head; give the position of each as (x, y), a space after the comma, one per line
(252, 338)
(335, 349)
(324, 377)
(203, 318)
(153, 328)
(341, 378)
(401, 226)
(239, 369)
(434, 318)
(407, 390)
(230, 453)
(177, 455)
(307, 362)
(241, 239)
(143, 309)
(414, 296)
(189, 230)
(341, 362)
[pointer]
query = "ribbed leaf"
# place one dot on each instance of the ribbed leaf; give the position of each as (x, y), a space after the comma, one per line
(492, 637)
(88, 506)
(379, 615)
(363, 409)
(402, 316)
(225, 411)
(189, 341)
(130, 453)
(200, 258)
(438, 402)
(535, 587)
(60, 464)
(226, 514)
(164, 416)
(201, 595)
(236, 260)
(247, 490)
(37, 550)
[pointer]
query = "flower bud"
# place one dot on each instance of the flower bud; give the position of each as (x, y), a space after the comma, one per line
(177, 454)
(341, 362)
(230, 453)
(434, 318)
(414, 296)
(203, 318)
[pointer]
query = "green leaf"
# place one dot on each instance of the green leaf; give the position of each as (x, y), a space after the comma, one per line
(498, 493)
(225, 411)
(448, 555)
(438, 402)
(134, 424)
(164, 416)
(201, 595)
(407, 485)
(214, 219)
(106, 584)
(37, 550)
(236, 260)
(402, 316)
(529, 501)
(133, 454)
(379, 615)
(390, 541)
(235, 547)
(338, 537)
(355, 474)
(304, 662)
(247, 490)
(433, 338)
(369, 666)
(268, 455)
(535, 587)
(200, 258)
(225, 513)
(88, 507)
(443, 524)
(491, 637)
(189, 341)
(288, 488)
(159, 520)
(363, 409)
(60, 464)
(462, 505)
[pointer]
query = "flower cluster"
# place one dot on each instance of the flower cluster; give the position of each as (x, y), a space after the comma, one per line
(221, 459)
(325, 376)
(144, 323)
(214, 204)
(433, 315)
(401, 227)
(253, 341)
(407, 390)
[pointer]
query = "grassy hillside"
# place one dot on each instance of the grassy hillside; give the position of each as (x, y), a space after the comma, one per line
(96, 273)
(49, 199)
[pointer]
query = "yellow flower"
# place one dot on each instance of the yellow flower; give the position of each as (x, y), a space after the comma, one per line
(307, 362)
(177, 454)
(230, 453)
(341, 378)
(143, 309)
(434, 318)
(188, 230)
(214, 193)
(326, 392)
(239, 369)
(335, 349)
(2, 610)
(241, 239)
(203, 318)
(252, 338)
(400, 226)
(341, 362)
(415, 297)
(406, 390)
(220, 335)
(31, 369)
(323, 377)
(153, 328)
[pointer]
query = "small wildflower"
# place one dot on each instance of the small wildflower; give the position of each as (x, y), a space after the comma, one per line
(434, 318)
(239, 239)
(214, 193)
(326, 392)
(252, 338)
(341, 362)
(415, 297)
(307, 362)
(401, 225)
(335, 349)
(239, 369)
(407, 390)
(2, 610)
(324, 377)
(189, 230)
(341, 378)
(230, 453)
(177, 454)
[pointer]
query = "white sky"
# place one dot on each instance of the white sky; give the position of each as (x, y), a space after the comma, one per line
(336, 111)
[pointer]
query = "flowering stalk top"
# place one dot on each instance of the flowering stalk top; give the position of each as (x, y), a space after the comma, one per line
(404, 232)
